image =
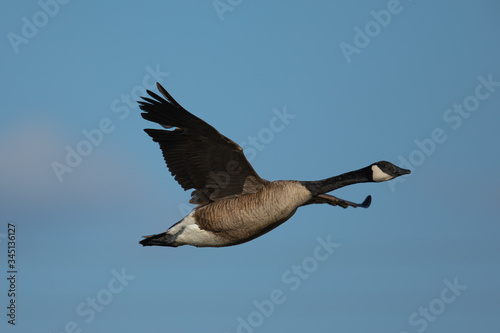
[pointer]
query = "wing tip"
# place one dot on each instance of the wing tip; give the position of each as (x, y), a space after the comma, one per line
(367, 202)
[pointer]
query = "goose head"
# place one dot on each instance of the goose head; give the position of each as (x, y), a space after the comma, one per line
(383, 171)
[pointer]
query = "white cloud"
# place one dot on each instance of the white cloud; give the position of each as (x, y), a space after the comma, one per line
(28, 150)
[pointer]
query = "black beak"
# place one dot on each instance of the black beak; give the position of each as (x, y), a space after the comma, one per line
(400, 171)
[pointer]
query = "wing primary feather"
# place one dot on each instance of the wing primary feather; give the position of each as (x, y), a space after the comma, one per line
(167, 95)
(196, 154)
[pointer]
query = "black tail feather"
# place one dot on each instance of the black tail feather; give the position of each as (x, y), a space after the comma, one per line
(162, 239)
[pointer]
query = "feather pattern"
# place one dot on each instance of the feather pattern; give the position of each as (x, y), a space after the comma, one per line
(196, 154)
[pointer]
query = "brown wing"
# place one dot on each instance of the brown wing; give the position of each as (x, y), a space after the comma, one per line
(334, 201)
(197, 155)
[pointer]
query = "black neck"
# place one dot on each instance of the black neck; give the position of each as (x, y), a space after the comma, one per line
(327, 185)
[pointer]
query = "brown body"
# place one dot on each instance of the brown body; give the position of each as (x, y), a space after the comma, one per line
(238, 220)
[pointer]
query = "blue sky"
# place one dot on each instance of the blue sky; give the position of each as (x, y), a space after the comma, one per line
(310, 90)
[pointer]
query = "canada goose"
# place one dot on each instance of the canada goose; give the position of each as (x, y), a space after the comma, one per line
(234, 204)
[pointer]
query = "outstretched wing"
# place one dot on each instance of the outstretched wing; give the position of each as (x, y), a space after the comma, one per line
(197, 155)
(334, 201)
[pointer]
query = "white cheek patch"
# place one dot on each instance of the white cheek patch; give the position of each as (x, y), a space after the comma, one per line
(378, 175)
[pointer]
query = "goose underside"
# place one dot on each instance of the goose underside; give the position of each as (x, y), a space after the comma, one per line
(186, 232)
(237, 237)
